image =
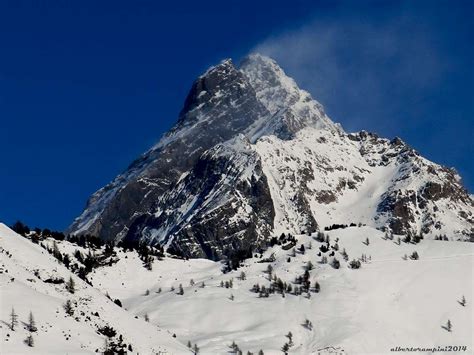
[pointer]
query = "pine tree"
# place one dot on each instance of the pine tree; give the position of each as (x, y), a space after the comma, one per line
(147, 319)
(189, 344)
(344, 254)
(149, 263)
(30, 341)
(449, 325)
(463, 301)
(367, 242)
(316, 287)
(235, 348)
(181, 290)
(355, 264)
(71, 285)
(13, 319)
(309, 266)
(66, 260)
(269, 271)
(285, 348)
(56, 252)
(195, 349)
(31, 323)
(260, 352)
(68, 308)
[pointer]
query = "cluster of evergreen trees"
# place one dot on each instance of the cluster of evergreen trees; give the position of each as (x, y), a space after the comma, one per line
(341, 226)
(30, 326)
(277, 285)
(114, 345)
(441, 237)
(286, 347)
(234, 258)
(286, 240)
(194, 348)
(36, 234)
(227, 284)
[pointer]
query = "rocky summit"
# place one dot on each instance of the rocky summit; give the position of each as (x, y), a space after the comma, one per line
(252, 156)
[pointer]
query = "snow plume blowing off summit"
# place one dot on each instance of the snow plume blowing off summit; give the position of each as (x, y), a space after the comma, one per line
(251, 156)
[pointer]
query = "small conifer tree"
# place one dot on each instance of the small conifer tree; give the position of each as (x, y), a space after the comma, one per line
(13, 319)
(30, 341)
(31, 323)
(68, 308)
(449, 326)
(71, 285)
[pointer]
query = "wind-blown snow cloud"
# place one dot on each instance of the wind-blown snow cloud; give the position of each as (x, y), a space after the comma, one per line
(359, 71)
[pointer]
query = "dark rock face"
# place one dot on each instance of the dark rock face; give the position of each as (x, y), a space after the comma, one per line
(220, 104)
(214, 232)
(399, 204)
(215, 208)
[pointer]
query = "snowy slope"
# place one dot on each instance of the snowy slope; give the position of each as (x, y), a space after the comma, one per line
(339, 178)
(388, 302)
(57, 332)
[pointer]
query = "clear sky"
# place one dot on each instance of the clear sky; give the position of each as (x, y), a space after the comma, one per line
(86, 86)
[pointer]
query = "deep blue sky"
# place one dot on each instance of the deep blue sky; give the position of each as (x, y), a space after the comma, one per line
(86, 86)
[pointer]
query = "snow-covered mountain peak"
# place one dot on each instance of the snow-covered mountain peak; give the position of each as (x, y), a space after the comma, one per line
(291, 108)
(273, 87)
(224, 65)
(252, 154)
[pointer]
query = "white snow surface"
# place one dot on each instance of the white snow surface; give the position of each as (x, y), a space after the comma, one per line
(388, 302)
(57, 332)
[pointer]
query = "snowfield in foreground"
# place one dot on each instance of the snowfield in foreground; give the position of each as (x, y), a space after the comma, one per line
(59, 333)
(388, 302)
